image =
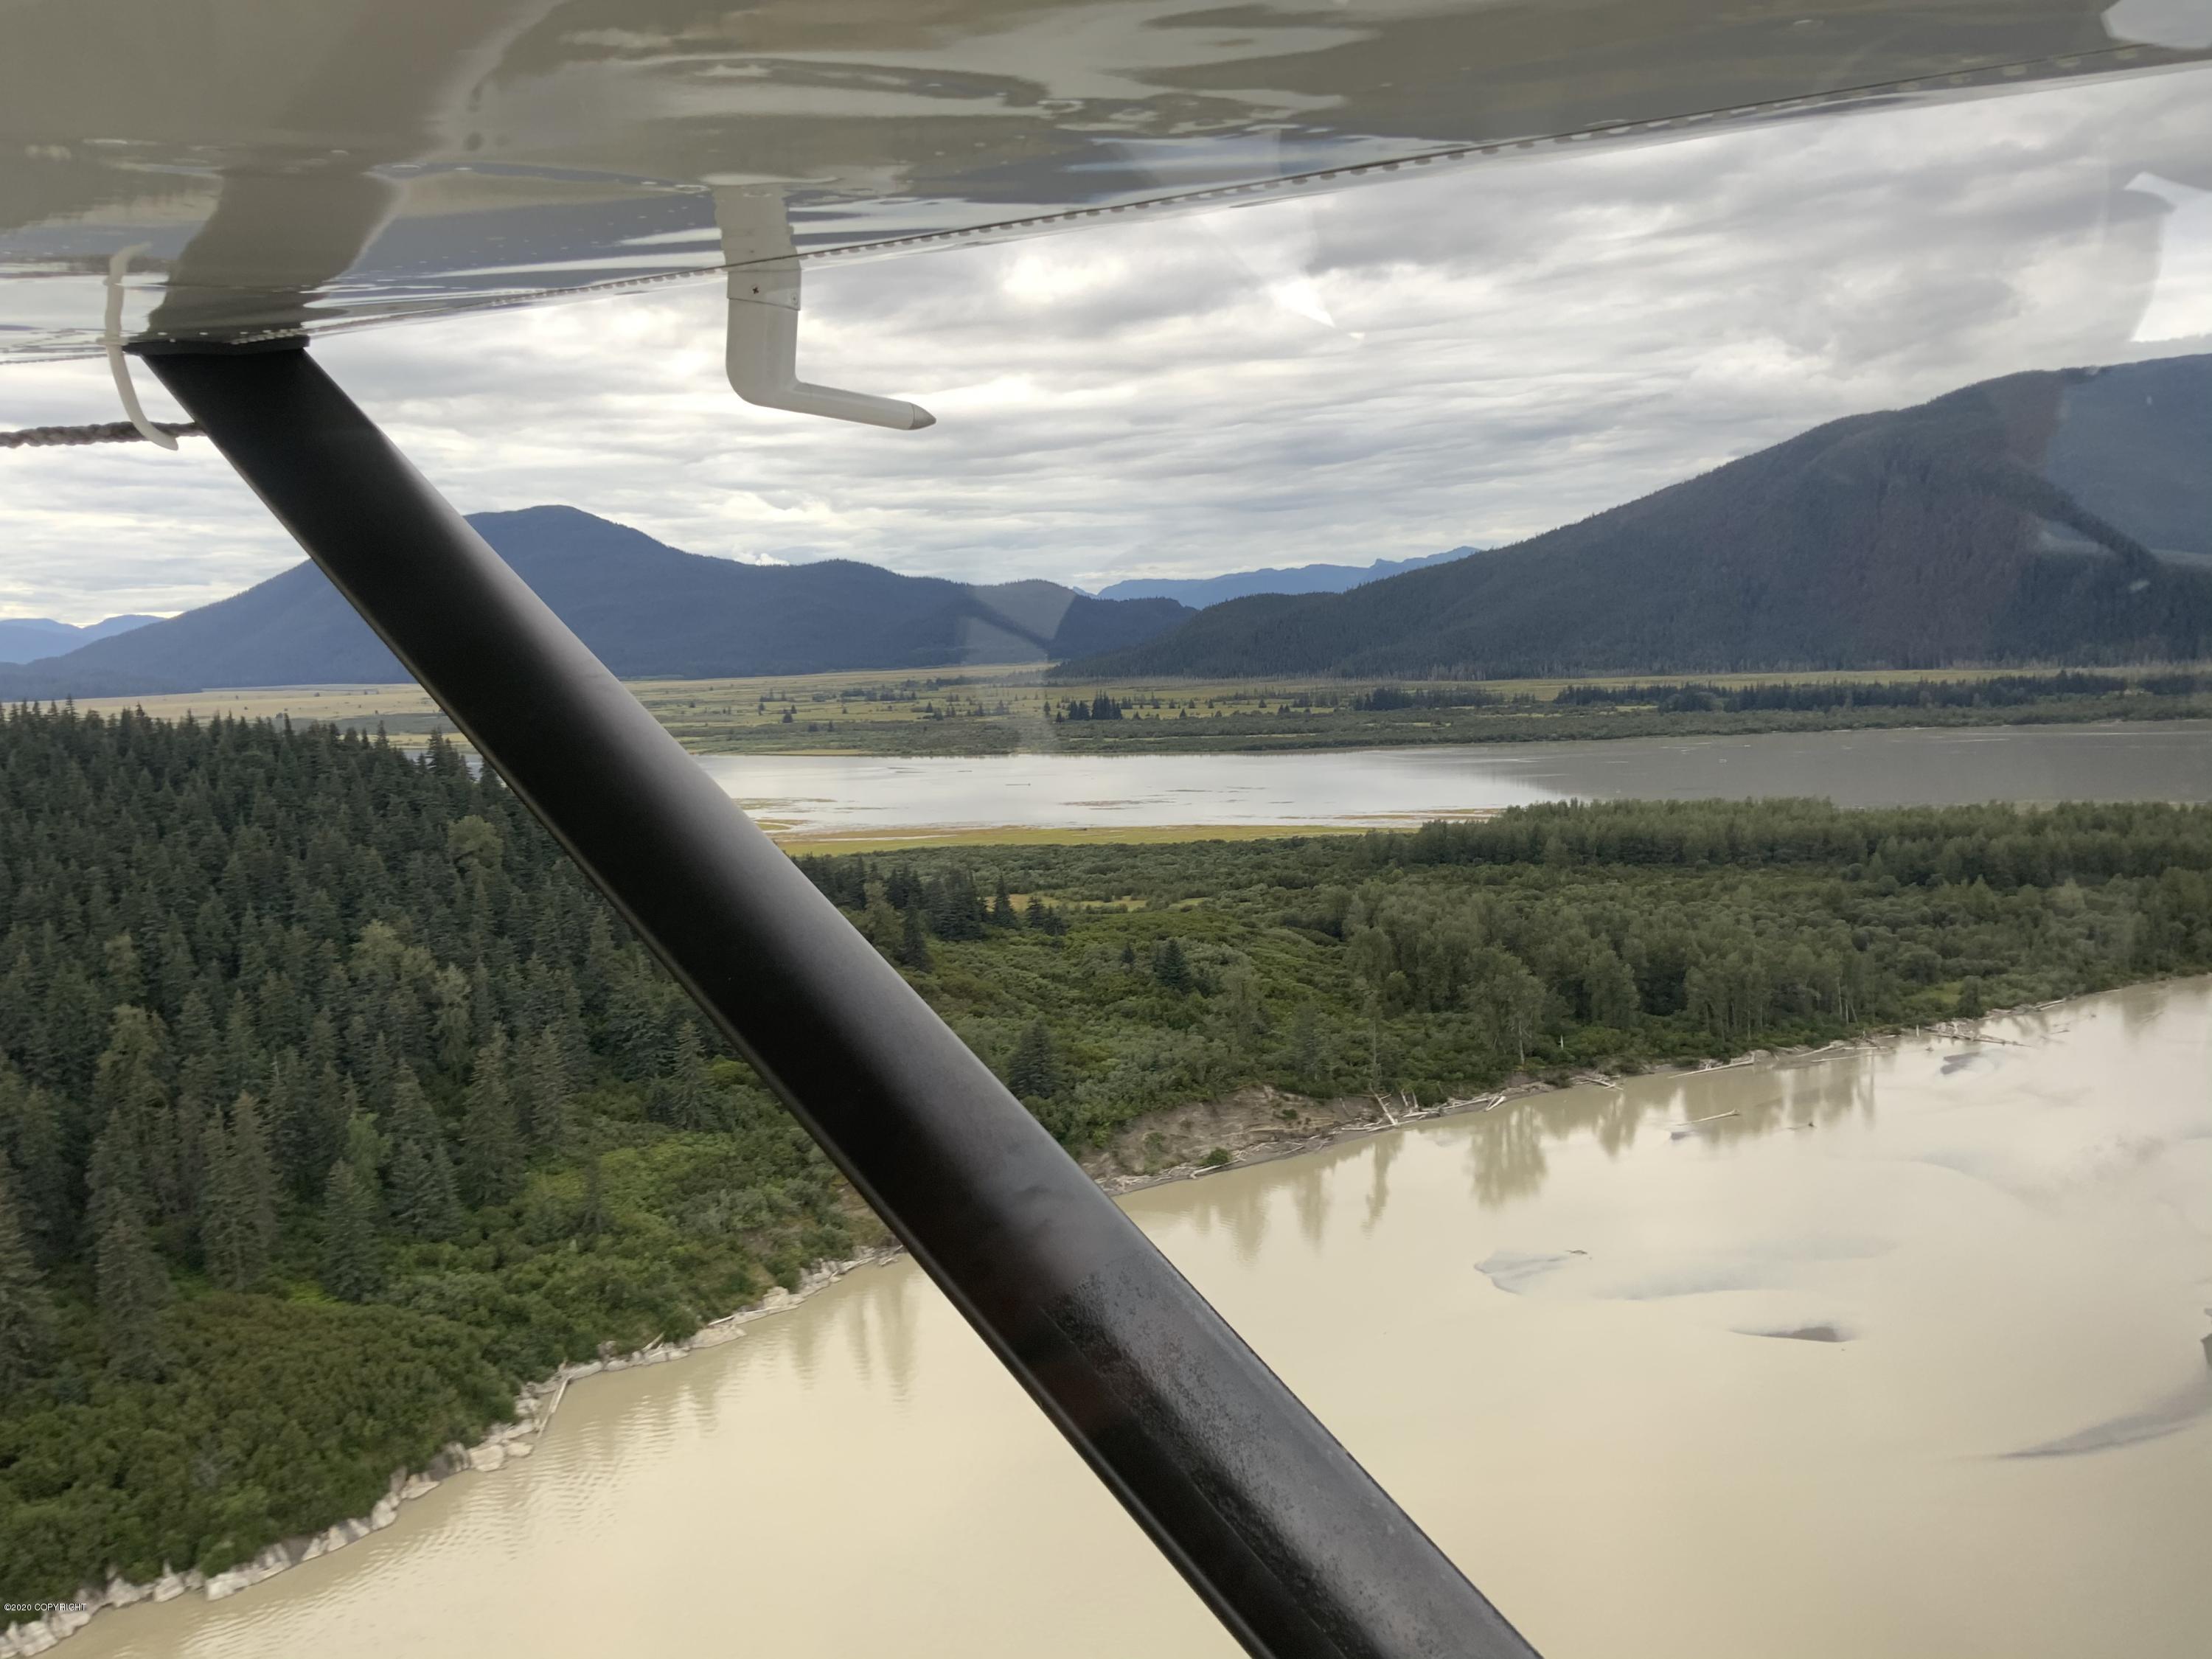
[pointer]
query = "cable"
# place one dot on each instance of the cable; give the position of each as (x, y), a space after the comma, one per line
(111, 432)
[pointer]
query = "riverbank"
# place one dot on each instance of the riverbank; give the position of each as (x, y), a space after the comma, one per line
(1262, 1125)
(1179, 1144)
(1247, 1127)
(502, 1444)
(1562, 1300)
(983, 710)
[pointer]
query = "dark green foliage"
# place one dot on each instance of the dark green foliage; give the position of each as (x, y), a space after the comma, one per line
(30, 1140)
(131, 1288)
(1995, 691)
(1033, 1072)
(913, 940)
(491, 1143)
(1169, 966)
(27, 1312)
(363, 942)
(238, 1230)
(951, 907)
(542, 1090)
(296, 1414)
(260, 994)
(1909, 539)
(425, 1197)
(1444, 961)
(684, 1095)
(353, 1267)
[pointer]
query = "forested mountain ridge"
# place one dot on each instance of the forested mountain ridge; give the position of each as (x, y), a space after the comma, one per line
(333, 1104)
(2050, 516)
(647, 610)
(29, 639)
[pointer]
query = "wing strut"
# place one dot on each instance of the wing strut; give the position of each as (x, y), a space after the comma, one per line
(1288, 1539)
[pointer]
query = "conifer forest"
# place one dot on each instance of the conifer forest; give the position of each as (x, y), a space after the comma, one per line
(335, 1104)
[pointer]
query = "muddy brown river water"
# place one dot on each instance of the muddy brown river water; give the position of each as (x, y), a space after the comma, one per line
(1898, 1354)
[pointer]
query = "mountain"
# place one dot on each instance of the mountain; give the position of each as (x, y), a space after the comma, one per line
(2048, 516)
(647, 609)
(28, 639)
(1198, 592)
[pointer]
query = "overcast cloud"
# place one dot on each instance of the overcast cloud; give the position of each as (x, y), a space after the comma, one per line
(1472, 357)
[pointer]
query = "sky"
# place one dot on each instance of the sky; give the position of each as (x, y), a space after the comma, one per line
(1464, 359)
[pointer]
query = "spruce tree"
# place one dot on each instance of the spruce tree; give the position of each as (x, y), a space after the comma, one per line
(491, 1151)
(253, 1172)
(914, 942)
(131, 1079)
(410, 1116)
(685, 1094)
(30, 1136)
(366, 1148)
(220, 1230)
(424, 1198)
(238, 1235)
(1033, 1072)
(593, 1218)
(328, 1103)
(543, 1082)
(454, 1030)
(425, 1203)
(1002, 907)
(352, 1263)
(125, 976)
(131, 1287)
(26, 1314)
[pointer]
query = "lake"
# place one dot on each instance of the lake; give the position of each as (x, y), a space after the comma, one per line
(1893, 1350)
(801, 794)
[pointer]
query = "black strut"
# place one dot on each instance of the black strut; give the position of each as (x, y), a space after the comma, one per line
(1288, 1539)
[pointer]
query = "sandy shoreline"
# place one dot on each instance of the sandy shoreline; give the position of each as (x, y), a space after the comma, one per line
(1267, 1136)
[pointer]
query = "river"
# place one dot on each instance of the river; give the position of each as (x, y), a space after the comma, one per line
(812, 794)
(1897, 1354)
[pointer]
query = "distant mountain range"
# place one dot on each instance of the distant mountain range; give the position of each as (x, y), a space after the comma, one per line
(29, 639)
(1200, 592)
(2057, 516)
(647, 609)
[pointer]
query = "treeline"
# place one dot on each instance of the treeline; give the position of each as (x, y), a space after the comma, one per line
(1552, 937)
(332, 1104)
(1390, 715)
(1997, 691)
(900, 911)
(1385, 699)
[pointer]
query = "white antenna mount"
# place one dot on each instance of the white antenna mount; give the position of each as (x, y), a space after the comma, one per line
(763, 352)
(117, 364)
